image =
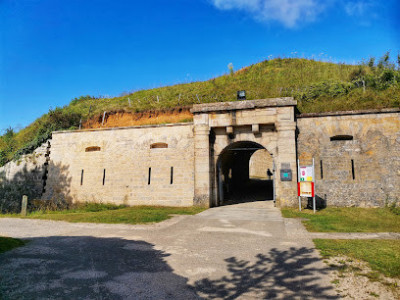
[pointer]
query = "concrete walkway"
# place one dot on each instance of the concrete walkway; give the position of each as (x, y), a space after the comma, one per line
(243, 251)
(355, 235)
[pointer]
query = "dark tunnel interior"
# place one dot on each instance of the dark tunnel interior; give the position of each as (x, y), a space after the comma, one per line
(234, 182)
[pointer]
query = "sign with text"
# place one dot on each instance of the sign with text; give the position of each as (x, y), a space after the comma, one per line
(306, 173)
(306, 189)
(306, 182)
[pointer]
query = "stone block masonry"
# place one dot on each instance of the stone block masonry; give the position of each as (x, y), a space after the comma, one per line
(148, 165)
(29, 171)
(357, 156)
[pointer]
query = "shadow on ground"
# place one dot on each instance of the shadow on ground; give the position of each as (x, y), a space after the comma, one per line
(89, 268)
(279, 274)
(83, 267)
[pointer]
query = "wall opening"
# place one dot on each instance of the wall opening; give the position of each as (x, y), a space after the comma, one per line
(352, 169)
(82, 177)
(321, 169)
(104, 176)
(245, 173)
(341, 137)
(149, 178)
(172, 176)
(158, 146)
(92, 149)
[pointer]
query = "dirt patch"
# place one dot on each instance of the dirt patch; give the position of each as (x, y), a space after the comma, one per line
(124, 119)
(353, 279)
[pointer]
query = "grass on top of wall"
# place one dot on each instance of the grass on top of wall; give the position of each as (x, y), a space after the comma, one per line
(318, 86)
(7, 243)
(381, 255)
(111, 214)
(347, 219)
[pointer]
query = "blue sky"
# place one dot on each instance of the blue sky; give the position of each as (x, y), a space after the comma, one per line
(52, 51)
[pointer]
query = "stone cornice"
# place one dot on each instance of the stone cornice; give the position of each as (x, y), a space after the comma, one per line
(246, 104)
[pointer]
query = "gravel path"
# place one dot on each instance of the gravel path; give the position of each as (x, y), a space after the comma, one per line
(242, 251)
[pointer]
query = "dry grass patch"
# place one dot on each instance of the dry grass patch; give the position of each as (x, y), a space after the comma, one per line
(363, 269)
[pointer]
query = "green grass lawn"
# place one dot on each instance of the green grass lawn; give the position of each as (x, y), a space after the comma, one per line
(104, 213)
(347, 219)
(381, 255)
(7, 243)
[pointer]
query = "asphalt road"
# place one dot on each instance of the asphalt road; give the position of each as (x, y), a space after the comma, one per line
(241, 251)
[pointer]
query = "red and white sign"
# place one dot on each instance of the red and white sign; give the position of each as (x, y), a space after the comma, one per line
(306, 189)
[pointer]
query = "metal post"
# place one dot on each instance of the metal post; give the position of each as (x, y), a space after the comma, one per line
(298, 180)
(313, 180)
(273, 182)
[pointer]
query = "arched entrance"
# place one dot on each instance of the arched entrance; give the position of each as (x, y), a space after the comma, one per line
(245, 173)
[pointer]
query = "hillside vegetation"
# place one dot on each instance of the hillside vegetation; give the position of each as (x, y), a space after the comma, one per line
(317, 86)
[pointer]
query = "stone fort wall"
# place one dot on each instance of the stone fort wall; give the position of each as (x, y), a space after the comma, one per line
(357, 156)
(261, 165)
(148, 165)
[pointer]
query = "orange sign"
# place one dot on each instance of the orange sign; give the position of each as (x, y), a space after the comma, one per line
(305, 189)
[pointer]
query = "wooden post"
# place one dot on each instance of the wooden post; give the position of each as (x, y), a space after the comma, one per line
(24, 205)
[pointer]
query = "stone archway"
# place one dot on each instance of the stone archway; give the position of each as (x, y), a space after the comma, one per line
(220, 127)
(233, 172)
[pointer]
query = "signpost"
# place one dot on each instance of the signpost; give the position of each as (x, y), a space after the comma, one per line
(306, 182)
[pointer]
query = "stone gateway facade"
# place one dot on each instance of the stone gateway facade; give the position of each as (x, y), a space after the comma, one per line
(233, 151)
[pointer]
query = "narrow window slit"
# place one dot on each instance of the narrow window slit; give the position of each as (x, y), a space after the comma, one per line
(172, 175)
(158, 145)
(322, 169)
(82, 177)
(92, 149)
(352, 169)
(341, 137)
(104, 176)
(149, 180)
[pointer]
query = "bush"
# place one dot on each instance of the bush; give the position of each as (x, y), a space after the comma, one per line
(11, 192)
(393, 206)
(325, 88)
(57, 119)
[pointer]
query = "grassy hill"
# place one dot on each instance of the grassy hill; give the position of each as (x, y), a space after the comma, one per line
(317, 86)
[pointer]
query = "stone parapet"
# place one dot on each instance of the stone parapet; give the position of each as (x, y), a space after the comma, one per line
(242, 105)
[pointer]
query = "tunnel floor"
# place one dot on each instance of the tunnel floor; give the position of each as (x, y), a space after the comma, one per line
(252, 190)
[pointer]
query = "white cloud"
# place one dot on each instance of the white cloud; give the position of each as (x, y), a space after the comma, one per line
(357, 8)
(288, 12)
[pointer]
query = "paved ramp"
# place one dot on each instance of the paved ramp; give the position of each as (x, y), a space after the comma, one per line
(249, 211)
(243, 251)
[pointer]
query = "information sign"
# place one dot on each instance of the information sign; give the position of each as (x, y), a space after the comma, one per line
(306, 173)
(306, 189)
(305, 182)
